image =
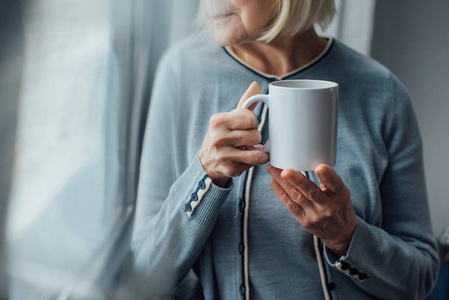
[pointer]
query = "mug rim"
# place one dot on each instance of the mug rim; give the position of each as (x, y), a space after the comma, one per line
(287, 84)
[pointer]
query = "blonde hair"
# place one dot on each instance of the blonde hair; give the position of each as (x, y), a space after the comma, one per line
(295, 16)
(291, 17)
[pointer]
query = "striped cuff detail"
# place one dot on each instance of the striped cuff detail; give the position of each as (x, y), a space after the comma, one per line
(196, 197)
(352, 272)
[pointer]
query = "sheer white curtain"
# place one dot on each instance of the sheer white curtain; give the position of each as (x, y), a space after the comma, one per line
(57, 218)
(11, 61)
(87, 74)
(354, 24)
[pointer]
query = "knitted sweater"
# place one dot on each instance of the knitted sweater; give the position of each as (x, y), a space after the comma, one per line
(240, 241)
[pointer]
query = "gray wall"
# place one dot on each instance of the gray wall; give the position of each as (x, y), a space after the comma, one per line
(411, 37)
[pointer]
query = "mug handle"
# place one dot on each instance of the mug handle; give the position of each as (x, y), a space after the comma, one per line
(256, 98)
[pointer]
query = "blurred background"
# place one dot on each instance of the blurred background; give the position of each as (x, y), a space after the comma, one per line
(75, 85)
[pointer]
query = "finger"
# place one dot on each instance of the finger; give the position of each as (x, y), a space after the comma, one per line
(253, 89)
(307, 187)
(290, 189)
(291, 205)
(239, 138)
(275, 172)
(239, 118)
(249, 157)
(330, 179)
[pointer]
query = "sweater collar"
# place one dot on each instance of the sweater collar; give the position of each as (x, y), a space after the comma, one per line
(330, 42)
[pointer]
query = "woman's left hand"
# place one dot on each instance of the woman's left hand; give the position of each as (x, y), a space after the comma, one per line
(326, 212)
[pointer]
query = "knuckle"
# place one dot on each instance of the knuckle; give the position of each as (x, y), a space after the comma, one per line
(307, 223)
(314, 194)
(336, 188)
(215, 147)
(329, 213)
(291, 206)
(218, 142)
(283, 194)
(315, 219)
(216, 120)
(258, 157)
(297, 196)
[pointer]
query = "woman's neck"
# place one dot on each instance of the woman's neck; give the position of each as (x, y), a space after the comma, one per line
(282, 55)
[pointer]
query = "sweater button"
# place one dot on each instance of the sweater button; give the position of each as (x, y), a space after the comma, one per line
(201, 185)
(331, 286)
(363, 276)
(242, 205)
(187, 207)
(242, 289)
(344, 266)
(353, 271)
(241, 248)
(194, 197)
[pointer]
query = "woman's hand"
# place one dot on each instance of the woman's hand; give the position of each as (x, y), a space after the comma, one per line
(222, 154)
(326, 212)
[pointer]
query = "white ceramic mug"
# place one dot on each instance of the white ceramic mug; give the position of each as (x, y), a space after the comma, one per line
(303, 123)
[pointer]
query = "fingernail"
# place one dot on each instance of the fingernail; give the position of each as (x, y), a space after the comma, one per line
(287, 175)
(321, 169)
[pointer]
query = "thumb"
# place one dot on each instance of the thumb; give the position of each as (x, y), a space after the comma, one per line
(329, 179)
(253, 89)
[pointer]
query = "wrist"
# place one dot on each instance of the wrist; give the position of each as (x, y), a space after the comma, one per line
(223, 182)
(341, 246)
(340, 249)
(220, 181)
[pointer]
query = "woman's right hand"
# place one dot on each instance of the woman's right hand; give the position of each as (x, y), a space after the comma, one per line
(222, 154)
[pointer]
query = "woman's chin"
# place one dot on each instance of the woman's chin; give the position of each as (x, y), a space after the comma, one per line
(226, 37)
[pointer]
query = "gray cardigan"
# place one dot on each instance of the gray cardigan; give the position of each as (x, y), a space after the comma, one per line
(240, 240)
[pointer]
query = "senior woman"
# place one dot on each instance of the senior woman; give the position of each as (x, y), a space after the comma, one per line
(211, 211)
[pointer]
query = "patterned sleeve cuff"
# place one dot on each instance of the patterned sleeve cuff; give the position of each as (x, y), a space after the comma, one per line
(347, 264)
(201, 199)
